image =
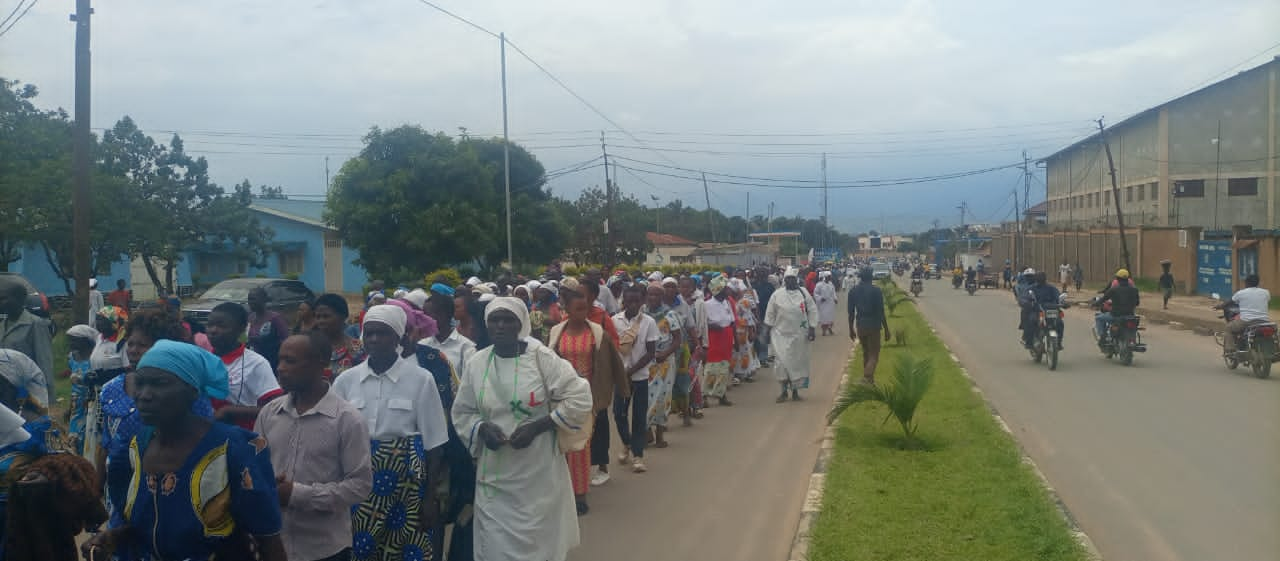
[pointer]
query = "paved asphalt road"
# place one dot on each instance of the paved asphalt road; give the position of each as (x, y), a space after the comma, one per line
(729, 488)
(1174, 458)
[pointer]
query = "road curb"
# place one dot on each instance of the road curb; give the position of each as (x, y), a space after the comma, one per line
(818, 479)
(1081, 537)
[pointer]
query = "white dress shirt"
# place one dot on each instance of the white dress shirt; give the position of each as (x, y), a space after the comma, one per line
(456, 347)
(403, 401)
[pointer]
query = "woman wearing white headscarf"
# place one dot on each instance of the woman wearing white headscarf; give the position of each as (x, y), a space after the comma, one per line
(790, 317)
(401, 404)
(825, 295)
(518, 406)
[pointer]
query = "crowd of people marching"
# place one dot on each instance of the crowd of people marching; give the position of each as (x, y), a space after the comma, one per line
(482, 410)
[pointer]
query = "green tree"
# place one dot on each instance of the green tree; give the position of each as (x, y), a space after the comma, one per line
(417, 201)
(35, 162)
(590, 242)
(270, 192)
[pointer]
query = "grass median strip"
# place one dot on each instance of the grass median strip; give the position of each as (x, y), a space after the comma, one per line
(963, 494)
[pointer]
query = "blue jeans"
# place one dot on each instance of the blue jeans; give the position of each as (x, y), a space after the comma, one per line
(1101, 324)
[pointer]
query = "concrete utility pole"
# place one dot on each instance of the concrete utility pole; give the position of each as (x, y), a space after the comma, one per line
(1017, 235)
(706, 191)
(1217, 174)
(824, 199)
(1115, 192)
(81, 137)
(748, 215)
(326, 174)
(506, 150)
(770, 217)
(608, 206)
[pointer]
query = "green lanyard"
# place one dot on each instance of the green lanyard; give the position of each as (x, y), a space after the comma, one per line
(517, 410)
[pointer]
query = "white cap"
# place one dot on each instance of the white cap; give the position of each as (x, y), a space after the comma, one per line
(473, 281)
(1029, 271)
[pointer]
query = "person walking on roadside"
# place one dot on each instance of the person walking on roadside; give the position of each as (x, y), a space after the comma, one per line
(791, 317)
(267, 328)
(683, 381)
(764, 291)
(1166, 281)
(1078, 271)
(745, 330)
(319, 452)
(251, 381)
(639, 335)
(665, 360)
(96, 301)
(866, 320)
(22, 331)
(717, 348)
(697, 333)
(825, 295)
(518, 408)
(400, 403)
(595, 357)
(1064, 275)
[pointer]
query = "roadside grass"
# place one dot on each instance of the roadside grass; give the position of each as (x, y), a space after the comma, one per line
(965, 495)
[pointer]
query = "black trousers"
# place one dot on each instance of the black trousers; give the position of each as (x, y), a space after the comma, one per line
(344, 555)
(600, 439)
(636, 432)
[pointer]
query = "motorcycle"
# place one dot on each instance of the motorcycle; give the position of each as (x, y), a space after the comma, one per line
(917, 286)
(1122, 338)
(971, 285)
(956, 280)
(1257, 347)
(1048, 342)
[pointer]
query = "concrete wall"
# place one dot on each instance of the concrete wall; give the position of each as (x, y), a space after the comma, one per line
(1174, 142)
(1099, 253)
(34, 266)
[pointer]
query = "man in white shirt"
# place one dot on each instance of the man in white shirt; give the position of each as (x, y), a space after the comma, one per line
(638, 341)
(96, 301)
(453, 345)
(401, 405)
(1254, 303)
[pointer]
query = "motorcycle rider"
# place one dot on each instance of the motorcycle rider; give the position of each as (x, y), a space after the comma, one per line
(1124, 299)
(970, 275)
(1038, 293)
(1252, 301)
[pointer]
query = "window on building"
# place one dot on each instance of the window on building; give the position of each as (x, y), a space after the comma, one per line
(1128, 194)
(1107, 198)
(1142, 191)
(1191, 188)
(242, 267)
(291, 262)
(1155, 191)
(1242, 187)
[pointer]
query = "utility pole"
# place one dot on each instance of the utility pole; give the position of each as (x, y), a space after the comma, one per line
(748, 215)
(1017, 235)
(1115, 192)
(506, 150)
(771, 217)
(1026, 200)
(81, 205)
(658, 208)
(825, 227)
(706, 191)
(1217, 174)
(326, 175)
(608, 206)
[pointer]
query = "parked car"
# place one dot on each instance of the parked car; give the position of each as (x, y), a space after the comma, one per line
(283, 296)
(37, 302)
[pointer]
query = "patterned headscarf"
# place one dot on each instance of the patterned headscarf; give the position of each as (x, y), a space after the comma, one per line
(718, 284)
(119, 318)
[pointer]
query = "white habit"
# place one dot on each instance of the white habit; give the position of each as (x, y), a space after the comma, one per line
(790, 316)
(825, 294)
(524, 506)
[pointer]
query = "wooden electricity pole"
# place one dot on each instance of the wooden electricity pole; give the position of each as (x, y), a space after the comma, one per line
(1115, 192)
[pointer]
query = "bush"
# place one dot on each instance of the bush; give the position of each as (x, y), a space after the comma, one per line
(572, 271)
(447, 276)
(291, 276)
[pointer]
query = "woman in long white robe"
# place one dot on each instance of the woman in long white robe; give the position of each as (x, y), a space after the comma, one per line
(790, 317)
(825, 294)
(520, 393)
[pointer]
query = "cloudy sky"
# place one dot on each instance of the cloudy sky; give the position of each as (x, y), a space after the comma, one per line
(753, 88)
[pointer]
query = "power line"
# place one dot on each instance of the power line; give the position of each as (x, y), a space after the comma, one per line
(912, 181)
(19, 18)
(474, 25)
(12, 12)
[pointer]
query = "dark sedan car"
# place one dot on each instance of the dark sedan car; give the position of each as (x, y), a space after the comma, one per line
(283, 296)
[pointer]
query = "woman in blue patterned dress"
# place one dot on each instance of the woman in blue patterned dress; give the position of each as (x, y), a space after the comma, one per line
(188, 487)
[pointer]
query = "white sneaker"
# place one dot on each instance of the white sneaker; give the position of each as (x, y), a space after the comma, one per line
(624, 458)
(598, 477)
(638, 466)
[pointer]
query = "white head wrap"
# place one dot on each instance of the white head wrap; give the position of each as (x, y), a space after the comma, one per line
(417, 297)
(493, 286)
(84, 331)
(93, 283)
(737, 285)
(513, 305)
(24, 374)
(671, 281)
(11, 431)
(1029, 271)
(791, 272)
(482, 289)
(655, 276)
(399, 294)
(488, 297)
(532, 286)
(473, 281)
(388, 315)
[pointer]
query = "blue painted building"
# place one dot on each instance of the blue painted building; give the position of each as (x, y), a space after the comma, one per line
(305, 248)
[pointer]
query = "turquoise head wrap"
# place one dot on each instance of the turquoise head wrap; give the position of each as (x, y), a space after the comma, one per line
(191, 364)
